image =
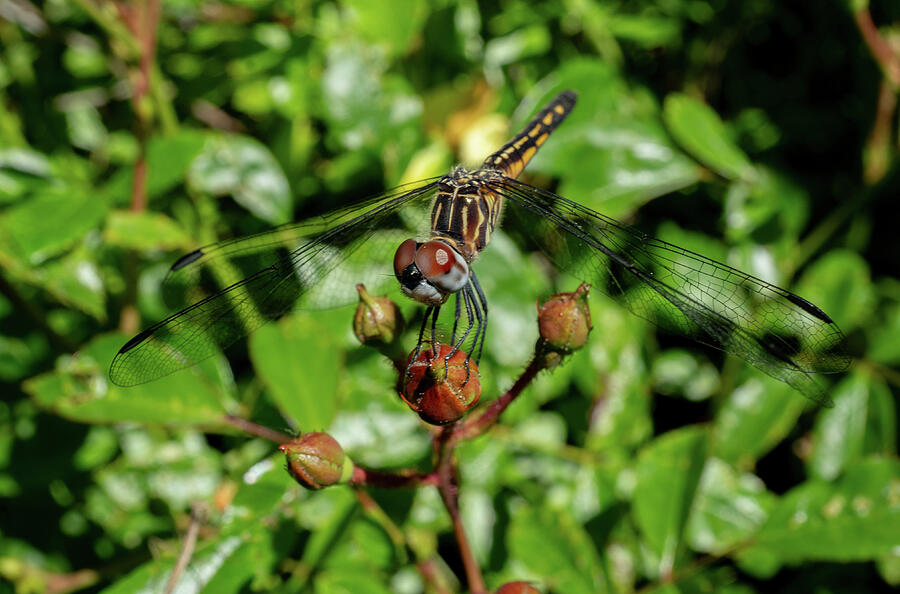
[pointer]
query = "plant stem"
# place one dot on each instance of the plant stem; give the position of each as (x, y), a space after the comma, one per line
(141, 18)
(447, 487)
(374, 478)
(487, 419)
(881, 50)
(187, 547)
(256, 429)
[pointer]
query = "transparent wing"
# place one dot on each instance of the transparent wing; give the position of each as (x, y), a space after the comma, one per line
(240, 284)
(775, 330)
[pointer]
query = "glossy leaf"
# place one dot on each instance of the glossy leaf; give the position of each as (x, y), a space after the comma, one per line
(245, 169)
(168, 158)
(75, 280)
(813, 521)
(757, 415)
(675, 460)
(730, 507)
(48, 223)
(862, 421)
(144, 231)
(80, 390)
(299, 360)
(697, 128)
(555, 550)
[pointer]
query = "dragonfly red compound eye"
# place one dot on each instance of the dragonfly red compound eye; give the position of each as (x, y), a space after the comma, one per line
(404, 256)
(443, 266)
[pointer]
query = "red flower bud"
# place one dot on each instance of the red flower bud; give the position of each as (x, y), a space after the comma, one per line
(517, 588)
(564, 321)
(441, 392)
(377, 319)
(316, 460)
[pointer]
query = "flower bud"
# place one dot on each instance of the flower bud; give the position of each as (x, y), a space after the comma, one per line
(517, 588)
(377, 319)
(316, 460)
(441, 391)
(564, 321)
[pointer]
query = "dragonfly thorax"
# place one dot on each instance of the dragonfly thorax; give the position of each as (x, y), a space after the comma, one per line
(430, 272)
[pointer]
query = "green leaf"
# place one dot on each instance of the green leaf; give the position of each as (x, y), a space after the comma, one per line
(21, 170)
(840, 283)
(729, 508)
(350, 580)
(842, 433)
(144, 231)
(773, 207)
(80, 390)
(756, 416)
(696, 127)
(49, 222)
(648, 31)
(299, 360)
(224, 564)
(555, 550)
(168, 158)
(674, 460)
(856, 518)
(883, 344)
(625, 156)
(75, 280)
(529, 41)
(327, 514)
(391, 24)
(244, 168)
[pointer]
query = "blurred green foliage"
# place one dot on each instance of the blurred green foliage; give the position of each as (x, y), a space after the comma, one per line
(754, 132)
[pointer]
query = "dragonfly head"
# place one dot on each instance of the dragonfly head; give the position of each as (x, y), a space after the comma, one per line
(430, 272)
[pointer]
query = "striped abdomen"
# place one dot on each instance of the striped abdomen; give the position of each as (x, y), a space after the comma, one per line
(515, 154)
(466, 211)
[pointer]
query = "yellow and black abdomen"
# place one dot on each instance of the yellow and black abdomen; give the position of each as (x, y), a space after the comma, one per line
(515, 155)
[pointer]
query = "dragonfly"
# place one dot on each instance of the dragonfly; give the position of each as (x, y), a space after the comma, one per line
(235, 286)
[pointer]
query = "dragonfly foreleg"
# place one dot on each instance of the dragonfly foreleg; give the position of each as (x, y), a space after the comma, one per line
(482, 319)
(415, 355)
(455, 319)
(469, 302)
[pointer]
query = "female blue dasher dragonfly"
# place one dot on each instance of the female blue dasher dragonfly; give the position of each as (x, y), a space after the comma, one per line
(319, 263)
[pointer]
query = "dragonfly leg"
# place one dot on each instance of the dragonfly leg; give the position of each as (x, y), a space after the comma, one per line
(468, 301)
(479, 329)
(455, 319)
(434, 342)
(482, 324)
(418, 349)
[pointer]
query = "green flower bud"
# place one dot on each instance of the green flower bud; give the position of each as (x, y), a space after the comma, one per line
(377, 319)
(316, 460)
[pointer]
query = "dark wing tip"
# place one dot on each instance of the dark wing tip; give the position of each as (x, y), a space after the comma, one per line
(185, 260)
(136, 340)
(808, 307)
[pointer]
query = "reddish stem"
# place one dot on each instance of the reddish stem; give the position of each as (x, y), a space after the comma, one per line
(877, 154)
(474, 427)
(256, 429)
(881, 50)
(448, 488)
(142, 19)
(374, 478)
(429, 572)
